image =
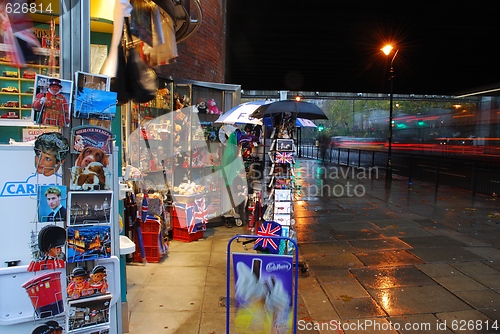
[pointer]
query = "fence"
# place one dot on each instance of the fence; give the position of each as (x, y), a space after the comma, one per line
(465, 172)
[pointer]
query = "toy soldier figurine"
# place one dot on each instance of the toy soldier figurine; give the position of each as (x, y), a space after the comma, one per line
(52, 105)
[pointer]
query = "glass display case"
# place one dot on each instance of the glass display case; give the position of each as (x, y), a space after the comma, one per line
(173, 144)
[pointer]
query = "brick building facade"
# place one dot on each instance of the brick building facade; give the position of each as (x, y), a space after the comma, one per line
(202, 56)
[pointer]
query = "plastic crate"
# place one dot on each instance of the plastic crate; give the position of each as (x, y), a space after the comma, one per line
(150, 227)
(182, 234)
(153, 254)
(150, 239)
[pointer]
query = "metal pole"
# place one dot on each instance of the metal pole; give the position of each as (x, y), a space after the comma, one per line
(388, 174)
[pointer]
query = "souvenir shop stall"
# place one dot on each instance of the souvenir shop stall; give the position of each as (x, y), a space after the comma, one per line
(173, 154)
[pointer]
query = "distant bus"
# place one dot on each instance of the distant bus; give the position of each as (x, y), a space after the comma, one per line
(354, 142)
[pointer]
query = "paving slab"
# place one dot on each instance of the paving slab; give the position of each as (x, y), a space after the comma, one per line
(381, 244)
(380, 278)
(418, 324)
(415, 300)
(468, 322)
(481, 299)
(388, 258)
(459, 282)
(356, 234)
(445, 254)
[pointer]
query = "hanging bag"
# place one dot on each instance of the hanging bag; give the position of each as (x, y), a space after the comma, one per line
(141, 79)
(119, 82)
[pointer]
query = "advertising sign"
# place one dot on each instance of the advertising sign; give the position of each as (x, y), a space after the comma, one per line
(263, 293)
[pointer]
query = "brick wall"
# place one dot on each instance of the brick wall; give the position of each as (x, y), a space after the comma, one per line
(202, 56)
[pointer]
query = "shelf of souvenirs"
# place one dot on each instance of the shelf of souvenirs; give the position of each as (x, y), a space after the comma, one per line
(38, 51)
(23, 122)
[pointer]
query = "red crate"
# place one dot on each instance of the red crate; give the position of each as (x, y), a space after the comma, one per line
(152, 227)
(150, 239)
(182, 234)
(153, 254)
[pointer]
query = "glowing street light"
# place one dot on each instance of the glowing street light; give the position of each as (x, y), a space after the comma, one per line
(387, 51)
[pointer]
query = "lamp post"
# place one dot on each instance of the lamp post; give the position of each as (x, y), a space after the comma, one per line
(387, 50)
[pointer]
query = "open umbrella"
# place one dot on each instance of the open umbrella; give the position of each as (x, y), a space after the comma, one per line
(299, 122)
(300, 109)
(241, 113)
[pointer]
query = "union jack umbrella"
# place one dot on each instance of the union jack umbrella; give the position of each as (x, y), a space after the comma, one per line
(268, 229)
(144, 210)
(284, 157)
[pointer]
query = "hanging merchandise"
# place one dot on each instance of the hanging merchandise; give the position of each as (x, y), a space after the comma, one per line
(134, 80)
(142, 79)
(140, 23)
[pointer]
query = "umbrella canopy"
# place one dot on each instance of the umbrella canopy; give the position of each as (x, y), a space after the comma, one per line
(299, 122)
(299, 108)
(305, 123)
(241, 113)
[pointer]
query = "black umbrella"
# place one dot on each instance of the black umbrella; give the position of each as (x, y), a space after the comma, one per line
(300, 109)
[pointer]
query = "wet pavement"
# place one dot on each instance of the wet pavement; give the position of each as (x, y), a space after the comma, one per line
(383, 257)
(388, 254)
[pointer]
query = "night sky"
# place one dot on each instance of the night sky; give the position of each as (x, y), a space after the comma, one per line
(445, 47)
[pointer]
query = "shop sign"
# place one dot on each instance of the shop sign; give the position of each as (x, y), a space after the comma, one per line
(31, 134)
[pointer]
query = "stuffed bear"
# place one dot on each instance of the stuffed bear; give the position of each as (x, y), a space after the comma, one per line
(212, 107)
(202, 107)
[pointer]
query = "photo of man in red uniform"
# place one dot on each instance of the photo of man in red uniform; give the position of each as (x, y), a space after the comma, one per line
(51, 106)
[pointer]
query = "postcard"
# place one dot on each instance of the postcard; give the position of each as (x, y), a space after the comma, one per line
(88, 208)
(52, 98)
(89, 313)
(87, 243)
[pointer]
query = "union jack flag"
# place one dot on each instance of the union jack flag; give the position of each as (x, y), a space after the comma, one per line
(184, 211)
(284, 157)
(200, 215)
(268, 229)
(19, 36)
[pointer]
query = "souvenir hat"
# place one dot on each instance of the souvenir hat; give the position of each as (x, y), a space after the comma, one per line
(55, 82)
(51, 236)
(98, 269)
(43, 329)
(79, 271)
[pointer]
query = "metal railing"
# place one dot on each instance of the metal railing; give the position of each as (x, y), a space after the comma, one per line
(464, 172)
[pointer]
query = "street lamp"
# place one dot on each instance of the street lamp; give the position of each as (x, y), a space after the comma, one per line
(387, 50)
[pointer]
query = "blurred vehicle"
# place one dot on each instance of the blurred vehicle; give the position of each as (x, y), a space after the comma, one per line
(10, 114)
(359, 143)
(10, 74)
(5, 59)
(11, 104)
(10, 89)
(29, 74)
(28, 105)
(30, 90)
